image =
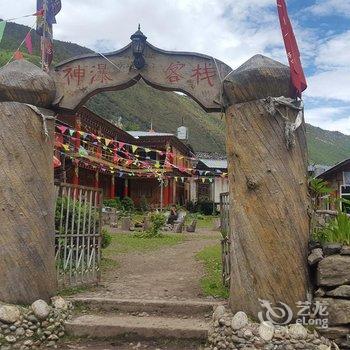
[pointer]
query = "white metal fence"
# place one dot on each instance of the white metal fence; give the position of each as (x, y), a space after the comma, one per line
(78, 224)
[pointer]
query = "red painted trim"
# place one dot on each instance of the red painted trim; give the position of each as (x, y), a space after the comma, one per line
(112, 190)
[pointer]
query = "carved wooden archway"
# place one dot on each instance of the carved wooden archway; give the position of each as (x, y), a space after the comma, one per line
(196, 75)
(268, 180)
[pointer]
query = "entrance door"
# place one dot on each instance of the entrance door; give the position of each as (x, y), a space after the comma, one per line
(78, 225)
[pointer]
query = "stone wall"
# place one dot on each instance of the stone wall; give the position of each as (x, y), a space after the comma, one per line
(330, 271)
(230, 331)
(32, 327)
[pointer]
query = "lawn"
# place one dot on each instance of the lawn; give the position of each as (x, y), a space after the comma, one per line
(124, 243)
(211, 283)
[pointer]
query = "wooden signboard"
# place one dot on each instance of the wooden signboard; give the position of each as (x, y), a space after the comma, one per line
(199, 76)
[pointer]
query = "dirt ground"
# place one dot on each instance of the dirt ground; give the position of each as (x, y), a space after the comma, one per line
(168, 273)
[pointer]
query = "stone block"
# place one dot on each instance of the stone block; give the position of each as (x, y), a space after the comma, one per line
(334, 271)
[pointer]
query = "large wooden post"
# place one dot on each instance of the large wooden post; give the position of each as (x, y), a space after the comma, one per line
(268, 191)
(27, 263)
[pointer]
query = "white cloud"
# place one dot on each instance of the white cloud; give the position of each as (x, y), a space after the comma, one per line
(329, 118)
(335, 51)
(332, 79)
(334, 84)
(327, 7)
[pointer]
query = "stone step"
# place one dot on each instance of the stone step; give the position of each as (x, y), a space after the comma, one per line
(154, 327)
(153, 307)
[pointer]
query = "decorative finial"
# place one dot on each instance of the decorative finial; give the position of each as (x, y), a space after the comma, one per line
(139, 26)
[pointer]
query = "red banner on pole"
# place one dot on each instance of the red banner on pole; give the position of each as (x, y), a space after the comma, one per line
(29, 45)
(293, 54)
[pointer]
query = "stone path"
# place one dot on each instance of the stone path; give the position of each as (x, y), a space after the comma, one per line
(168, 273)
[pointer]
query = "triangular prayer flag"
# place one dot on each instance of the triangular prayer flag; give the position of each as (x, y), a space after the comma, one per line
(82, 151)
(134, 148)
(71, 132)
(2, 29)
(18, 55)
(157, 165)
(121, 144)
(203, 179)
(28, 41)
(107, 141)
(62, 128)
(56, 162)
(182, 179)
(65, 147)
(147, 150)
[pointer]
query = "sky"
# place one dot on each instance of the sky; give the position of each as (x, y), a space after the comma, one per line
(229, 30)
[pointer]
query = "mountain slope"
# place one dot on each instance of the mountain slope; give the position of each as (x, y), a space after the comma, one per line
(140, 105)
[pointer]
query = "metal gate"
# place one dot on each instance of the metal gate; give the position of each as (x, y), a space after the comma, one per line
(225, 242)
(78, 225)
(225, 214)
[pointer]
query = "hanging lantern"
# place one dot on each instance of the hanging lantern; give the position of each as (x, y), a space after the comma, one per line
(138, 44)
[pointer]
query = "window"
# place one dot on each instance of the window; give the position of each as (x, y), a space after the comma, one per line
(346, 177)
(345, 194)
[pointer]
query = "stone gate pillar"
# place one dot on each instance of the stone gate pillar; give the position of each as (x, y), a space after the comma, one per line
(268, 191)
(27, 267)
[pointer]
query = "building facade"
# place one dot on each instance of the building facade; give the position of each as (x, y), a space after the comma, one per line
(94, 152)
(338, 178)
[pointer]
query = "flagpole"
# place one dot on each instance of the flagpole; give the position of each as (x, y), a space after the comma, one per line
(43, 37)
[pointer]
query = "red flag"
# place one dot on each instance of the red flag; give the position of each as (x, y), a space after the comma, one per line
(29, 45)
(39, 13)
(296, 69)
(56, 162)
(18, 55)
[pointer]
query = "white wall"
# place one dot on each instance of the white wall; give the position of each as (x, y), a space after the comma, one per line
(220, 185)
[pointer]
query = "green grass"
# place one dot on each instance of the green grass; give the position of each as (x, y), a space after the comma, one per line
(124, 243)
(107, 264)
(76, 290)
(211, 283)
(203, 221)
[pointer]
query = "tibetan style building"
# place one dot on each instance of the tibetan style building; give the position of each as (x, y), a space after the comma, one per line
(94, 152)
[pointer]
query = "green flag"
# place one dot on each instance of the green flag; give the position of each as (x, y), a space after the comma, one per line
(2, 29)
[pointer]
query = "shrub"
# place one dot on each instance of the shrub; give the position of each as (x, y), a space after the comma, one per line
(106, 239)
(206, 207)
(336, 231)
(192, 207)
(113, 203)
(157, 222)
(144, 204)
(128, 204)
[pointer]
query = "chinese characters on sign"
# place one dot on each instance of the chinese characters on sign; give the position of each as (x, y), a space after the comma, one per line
(203, 73)
(76, 75)
(173, 72)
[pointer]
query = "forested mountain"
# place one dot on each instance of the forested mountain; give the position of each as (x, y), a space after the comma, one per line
(141, 105)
